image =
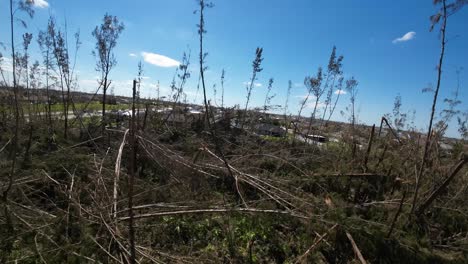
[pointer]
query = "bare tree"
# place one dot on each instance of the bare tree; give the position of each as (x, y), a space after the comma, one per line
(35, 83)
(256, 68)
(27, 8)
(202, 56)
(441, 17)
(45, 44)
(462, 121)
(139, 80)
(351, 88)
(288, 94)
(451, 109)
(314, 86)
(334, 71)
(106, 40)
(268, 96)
(339, 91)
(64, 67)
(183, 75)
(222, 88)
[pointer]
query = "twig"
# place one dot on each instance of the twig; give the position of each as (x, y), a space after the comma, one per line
(315, 244)
(4, 146)
(103, 249)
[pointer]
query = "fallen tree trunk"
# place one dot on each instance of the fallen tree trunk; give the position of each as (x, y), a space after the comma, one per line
(438, 191)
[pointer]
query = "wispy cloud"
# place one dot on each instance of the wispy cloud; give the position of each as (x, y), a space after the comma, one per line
(311, 97)
(255, 84)
(39, 3)
(6, 65)
(159, 60)
(340, 92)
(132, 55)
(408, 36)
(311, 105)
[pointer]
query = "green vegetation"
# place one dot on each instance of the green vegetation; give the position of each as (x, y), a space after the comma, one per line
(181, 186)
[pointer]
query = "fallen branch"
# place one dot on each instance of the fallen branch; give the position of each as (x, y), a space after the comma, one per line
(212, 210)
(354, 175)
(439, 190)
(4, 146)
(356, 249)
(315, 244)
(118, 162)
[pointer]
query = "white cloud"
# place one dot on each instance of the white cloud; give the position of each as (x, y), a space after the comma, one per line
(340, 92)
(311, 105)
(39, 3)
(408, 36)
(6, 64)
(255, 84)
(132, 55)
(311, 97)
(159, 60)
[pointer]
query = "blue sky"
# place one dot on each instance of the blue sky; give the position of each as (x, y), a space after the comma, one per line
(297, 37)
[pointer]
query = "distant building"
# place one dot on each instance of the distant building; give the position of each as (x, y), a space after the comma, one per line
(447, 148)
(317, 138)
(270, 130)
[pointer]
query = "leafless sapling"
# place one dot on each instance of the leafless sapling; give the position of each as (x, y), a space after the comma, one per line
(334, 71)
(314, 87)
(339, 91)
(351, 88)
(286, 104)
(27, 8)
(222, 88)
(268, 96)
(45, 45)
(202, 55)
(64, 67)
(441, 17)
(256, 68)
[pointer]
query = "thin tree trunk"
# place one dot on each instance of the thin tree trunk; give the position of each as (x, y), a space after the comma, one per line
(369, 146)
(49, 111)
(8, 220)
(333, 109)
(104, 104)
(249, 93)
(436, 93)
(202, 74)
(312, 116)
(400, 207)
(131, 181)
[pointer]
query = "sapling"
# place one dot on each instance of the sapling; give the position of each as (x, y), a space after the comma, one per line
(222, 88)
(314, 85)
(268, 96)
(202, 56)
(441, 17)
(106, 36)
(256, 68)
